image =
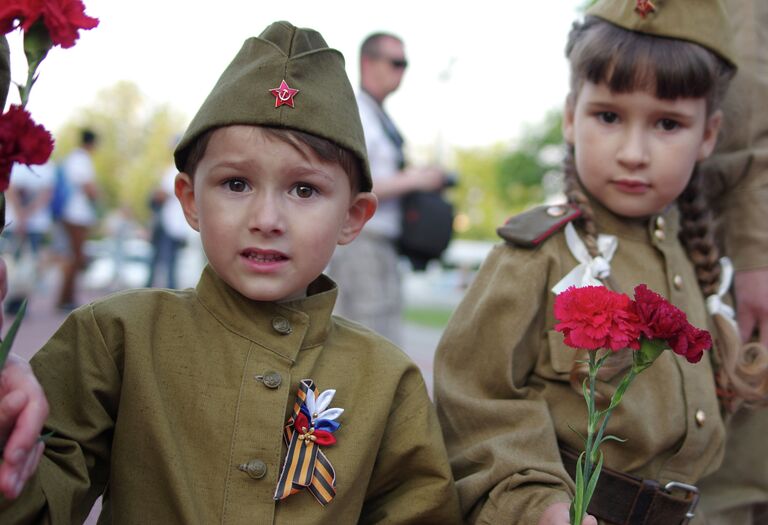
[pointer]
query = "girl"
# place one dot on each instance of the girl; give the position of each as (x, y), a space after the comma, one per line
(646, 82)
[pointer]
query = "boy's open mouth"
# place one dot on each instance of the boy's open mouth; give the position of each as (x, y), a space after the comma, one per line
(264, 255)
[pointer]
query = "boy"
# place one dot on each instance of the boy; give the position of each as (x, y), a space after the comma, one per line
(200, 406)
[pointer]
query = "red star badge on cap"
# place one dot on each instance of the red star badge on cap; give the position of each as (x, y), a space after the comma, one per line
(283, 94)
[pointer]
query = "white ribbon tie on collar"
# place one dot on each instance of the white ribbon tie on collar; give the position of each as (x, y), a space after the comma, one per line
(590, 269)
(715, 304)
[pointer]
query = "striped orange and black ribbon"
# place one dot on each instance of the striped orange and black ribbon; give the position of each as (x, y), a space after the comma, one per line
(305, 464)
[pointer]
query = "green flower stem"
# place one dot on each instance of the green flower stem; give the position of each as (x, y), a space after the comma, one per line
(37, 43)
(597, 421)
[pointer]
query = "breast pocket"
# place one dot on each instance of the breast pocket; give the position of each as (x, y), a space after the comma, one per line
(562, 359)
(558, 362)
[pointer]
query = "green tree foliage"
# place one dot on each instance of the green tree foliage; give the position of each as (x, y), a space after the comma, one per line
(497, 183)
(135, 144)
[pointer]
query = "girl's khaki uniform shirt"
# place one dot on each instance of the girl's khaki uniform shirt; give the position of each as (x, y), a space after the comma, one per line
(502, 379)
(157, 398)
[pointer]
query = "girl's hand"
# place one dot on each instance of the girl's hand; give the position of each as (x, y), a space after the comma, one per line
(23, 409)
(558, 514)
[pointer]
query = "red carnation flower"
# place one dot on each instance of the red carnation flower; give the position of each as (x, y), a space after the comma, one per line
(663, 320)
(22, 141)
(12, 10)
(691, 343)
(63, 19)
(594, 317)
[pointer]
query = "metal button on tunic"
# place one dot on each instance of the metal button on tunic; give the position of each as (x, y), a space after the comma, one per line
(677, 281)
(660, 223)
(255, 468)
(659, 234)
(700, 417)
(282, 325)
(272, 379)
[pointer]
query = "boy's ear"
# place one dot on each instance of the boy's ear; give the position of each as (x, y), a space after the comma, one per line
(711, 132)
(184, 188)
(362, 208)
(568, 120)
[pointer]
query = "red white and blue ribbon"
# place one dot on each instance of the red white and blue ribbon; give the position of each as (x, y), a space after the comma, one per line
(310, 426)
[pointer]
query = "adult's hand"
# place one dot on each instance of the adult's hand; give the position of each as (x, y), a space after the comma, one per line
(23, 410)
(751, 289)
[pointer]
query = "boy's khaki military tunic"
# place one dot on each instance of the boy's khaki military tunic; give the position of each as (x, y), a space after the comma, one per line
(178, 402)
(502, 375)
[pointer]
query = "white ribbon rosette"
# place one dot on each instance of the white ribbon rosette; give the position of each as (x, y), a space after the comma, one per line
(590, 269)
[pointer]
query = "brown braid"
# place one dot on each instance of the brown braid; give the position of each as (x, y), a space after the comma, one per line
(742, 369)
(697, 233)
(578, 198)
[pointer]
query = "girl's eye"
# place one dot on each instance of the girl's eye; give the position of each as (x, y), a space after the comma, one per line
(609, 117)
(667, 124)
(236, 185)
(304, 191)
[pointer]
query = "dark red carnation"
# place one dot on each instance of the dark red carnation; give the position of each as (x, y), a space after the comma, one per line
(593, 317)
(691, 343)
(13, 10)
(21, 141)
(63, 19)
(661, 319)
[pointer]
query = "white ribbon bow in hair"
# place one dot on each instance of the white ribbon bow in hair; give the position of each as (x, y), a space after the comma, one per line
(715, 304)
(590, 269)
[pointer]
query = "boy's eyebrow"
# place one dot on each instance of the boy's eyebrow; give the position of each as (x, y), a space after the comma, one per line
(229, 163)
(304, 171)
(297, 171)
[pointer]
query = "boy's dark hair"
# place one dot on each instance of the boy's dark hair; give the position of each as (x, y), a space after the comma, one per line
(628, 60)
(88, 137)
(325, 149)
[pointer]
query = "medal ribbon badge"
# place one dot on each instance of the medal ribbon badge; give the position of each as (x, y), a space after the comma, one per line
(311, 425)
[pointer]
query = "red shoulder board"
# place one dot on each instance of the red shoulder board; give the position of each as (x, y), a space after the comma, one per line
(532, 227)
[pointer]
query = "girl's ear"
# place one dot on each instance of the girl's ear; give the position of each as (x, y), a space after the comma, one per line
(711, 131)
(568, 132)
(362, 208)
(184, 188)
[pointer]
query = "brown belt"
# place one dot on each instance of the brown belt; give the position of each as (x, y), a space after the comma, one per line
(622, 499)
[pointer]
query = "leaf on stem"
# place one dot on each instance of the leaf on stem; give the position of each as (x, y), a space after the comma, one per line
(593, 481)
(5, 345)
(611, 437)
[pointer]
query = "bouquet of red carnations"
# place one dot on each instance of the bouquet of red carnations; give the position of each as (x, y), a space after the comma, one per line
(593, 318)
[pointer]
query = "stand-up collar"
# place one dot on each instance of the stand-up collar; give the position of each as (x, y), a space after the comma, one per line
(271, 324)
(637, 229)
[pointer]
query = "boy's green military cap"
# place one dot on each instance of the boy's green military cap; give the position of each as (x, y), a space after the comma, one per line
(258, 87)
(703, 22)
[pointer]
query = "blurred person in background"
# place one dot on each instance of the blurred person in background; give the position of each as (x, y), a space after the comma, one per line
(367, 270)
(28, 221)
(79, 213)
(170, 231)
